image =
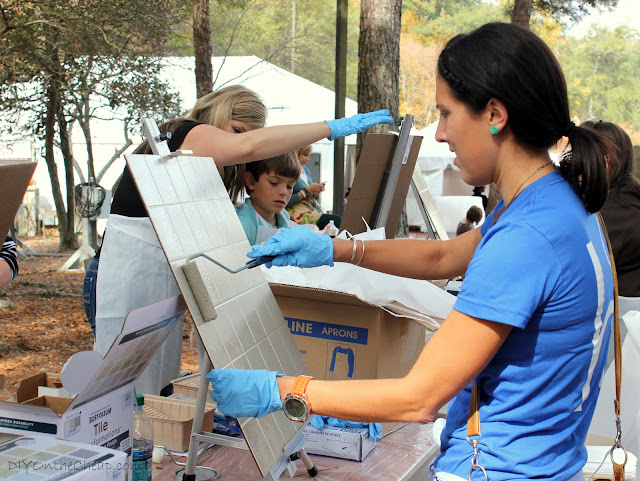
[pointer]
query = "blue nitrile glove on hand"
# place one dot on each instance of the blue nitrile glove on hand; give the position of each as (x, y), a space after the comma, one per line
(244, 392)
(357, 123)
(319, 422)
(298, 246)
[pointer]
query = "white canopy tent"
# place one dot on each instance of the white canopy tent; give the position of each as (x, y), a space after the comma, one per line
(288, 97)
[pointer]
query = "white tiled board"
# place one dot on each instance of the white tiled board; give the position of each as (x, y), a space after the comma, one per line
(191, 213)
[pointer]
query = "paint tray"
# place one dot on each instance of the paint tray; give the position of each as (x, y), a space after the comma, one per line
(187, 387)
(172, 420)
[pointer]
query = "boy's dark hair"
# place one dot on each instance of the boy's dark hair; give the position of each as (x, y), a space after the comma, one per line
(474, 214)
(285, 165)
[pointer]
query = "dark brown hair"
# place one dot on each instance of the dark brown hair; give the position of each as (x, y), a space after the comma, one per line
(286, 165)
(620, 161)
(511, 64)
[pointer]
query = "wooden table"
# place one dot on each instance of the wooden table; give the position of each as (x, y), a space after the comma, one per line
(403, 455)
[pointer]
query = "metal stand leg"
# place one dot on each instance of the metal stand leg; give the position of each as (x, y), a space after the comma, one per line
(306, 460)
(194, 444)
(191, 472)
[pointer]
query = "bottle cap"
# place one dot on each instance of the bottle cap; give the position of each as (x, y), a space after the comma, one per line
(140, 399)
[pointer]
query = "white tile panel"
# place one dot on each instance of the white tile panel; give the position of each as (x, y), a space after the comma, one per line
(191, 213)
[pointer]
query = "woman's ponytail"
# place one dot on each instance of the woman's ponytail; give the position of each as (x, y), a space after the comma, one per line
(584, 166)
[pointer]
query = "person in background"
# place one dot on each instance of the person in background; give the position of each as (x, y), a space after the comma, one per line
(478, 191)
(8, 262)
(474, 215)
(303, 207)
(621, 211)
(228, 126)
(269, 185)
(537, 277)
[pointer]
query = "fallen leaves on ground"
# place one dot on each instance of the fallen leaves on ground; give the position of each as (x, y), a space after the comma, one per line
(42, 319)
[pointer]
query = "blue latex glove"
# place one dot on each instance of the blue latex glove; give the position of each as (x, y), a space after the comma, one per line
(245, 393)
(375, 429)
(357, 123)
(297, 246)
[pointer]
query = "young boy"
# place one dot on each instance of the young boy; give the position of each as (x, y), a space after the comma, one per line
(269, 185)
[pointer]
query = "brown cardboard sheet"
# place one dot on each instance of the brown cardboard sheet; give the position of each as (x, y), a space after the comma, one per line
(14, 180)
(375, 160)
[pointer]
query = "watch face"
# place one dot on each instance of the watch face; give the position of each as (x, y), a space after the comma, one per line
(295, 408)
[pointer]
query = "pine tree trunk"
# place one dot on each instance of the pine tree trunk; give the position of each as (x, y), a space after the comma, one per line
(202, 47)
(68, 238)
(53, 99)
(379, 65)
(379, 59)
(521, 13)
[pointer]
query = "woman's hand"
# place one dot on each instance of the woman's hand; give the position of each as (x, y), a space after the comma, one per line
(315, 189)
(298, 246)
(245, 393)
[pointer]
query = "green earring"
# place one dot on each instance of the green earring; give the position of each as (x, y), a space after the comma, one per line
(494, 130)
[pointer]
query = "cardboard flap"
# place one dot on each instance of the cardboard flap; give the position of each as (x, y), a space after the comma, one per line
(76, 380)
(315, 294)
(143, 331)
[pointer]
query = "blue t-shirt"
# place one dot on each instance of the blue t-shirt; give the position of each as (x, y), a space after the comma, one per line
(543, 268)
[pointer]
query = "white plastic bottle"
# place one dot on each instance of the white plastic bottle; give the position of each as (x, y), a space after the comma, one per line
(142, 442)
(331, 230)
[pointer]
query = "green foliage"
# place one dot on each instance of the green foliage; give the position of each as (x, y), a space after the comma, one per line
(603, 75)
(263, 28)
(86, 49)
(573, 10)
(436, 21)
(58, 57)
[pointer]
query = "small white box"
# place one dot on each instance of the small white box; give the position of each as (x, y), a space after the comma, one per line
(101, 414)
(37, 456)
(345, 443)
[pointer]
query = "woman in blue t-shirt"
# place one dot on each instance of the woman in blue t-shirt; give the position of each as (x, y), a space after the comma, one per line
(531, 323)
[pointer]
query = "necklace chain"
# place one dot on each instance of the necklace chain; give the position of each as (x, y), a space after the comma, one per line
(525, 180)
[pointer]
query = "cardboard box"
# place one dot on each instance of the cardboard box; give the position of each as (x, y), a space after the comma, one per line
(101, 414)
(42, 384)
(343, 337)
(172, 421)
(36, 456)
(345, 443)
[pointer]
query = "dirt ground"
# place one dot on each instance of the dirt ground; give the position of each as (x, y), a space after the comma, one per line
(42, 319)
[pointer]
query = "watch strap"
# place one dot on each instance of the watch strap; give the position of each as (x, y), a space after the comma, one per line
(299, 385)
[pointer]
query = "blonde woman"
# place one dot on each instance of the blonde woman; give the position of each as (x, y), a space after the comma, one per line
(303, 207)
(133, 272)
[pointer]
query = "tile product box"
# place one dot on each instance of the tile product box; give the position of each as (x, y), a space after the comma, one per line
(188, 386)
(345, 443)
(101, 413)
(44, 458)
(343, 337)
(172, 420)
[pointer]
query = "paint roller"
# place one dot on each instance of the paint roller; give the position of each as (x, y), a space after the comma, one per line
(198, 281)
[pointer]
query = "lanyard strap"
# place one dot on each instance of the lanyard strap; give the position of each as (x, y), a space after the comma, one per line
(618, 469)
(473, 420)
